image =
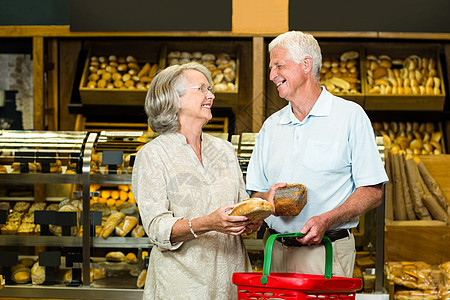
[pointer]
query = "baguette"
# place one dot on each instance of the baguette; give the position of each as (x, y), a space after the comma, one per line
(113, 220)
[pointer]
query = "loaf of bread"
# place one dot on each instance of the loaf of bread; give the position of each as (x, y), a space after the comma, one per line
(256, 209)
(126, 225)
(115, 256)
(290, 200)
(21, 275)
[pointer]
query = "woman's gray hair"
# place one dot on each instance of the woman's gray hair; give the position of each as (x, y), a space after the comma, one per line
(162, 102)
(299, 45)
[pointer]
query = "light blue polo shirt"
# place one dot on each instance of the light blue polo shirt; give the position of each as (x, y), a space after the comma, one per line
(332, 152)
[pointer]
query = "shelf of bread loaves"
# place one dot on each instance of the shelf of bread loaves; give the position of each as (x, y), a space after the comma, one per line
(221, 59)
(115, 269)
(403, 77)
(118, 73)
(412, 137)
(123, 75)
(116, 80)
(341, 71)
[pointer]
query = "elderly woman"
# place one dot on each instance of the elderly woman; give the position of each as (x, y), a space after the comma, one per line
(184, 182)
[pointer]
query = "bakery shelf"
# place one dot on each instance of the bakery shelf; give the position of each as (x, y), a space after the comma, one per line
(410, 102)
(22, 179)
(222, 99)
(254, 244)
(121, 242)
(31, 199)
(143, 51)
(334, 51)
(144, 242)
(110, 178)
(66, 292)
(48, 241)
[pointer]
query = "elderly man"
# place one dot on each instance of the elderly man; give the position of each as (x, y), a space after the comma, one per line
(324, 142)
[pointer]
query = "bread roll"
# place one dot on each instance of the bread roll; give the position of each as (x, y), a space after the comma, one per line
(115, 256)
(141, 279)
(255, 209)
(131, 258)
(290, 200)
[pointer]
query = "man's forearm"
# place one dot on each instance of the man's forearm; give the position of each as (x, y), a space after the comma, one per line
(362, 200)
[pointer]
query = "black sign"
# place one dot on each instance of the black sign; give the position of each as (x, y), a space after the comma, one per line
(382, 15)
(144, 15)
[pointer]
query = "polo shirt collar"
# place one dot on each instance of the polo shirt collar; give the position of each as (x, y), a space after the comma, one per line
(322, 107)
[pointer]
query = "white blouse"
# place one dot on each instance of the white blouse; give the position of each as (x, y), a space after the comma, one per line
(169, 183)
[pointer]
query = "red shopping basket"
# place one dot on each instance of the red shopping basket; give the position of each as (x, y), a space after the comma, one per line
(292, 285)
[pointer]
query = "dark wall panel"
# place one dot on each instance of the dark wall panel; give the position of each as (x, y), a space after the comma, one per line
(380, 15)
(34, 12)
(148, 15)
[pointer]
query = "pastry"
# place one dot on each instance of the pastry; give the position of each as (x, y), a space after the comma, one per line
(37, 206)
(37, 273)
(21, 206)
(256, 209)
(290, 200)
(138, 231)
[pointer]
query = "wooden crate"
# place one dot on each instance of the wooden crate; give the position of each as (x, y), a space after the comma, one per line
(223, 99)
(405, 102)
(143, 51)
(427, 241)
(334, 50)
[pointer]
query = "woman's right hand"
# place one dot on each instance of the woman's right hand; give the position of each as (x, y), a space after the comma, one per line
(220, 221)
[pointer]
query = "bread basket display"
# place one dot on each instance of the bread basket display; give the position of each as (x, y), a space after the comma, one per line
(341, 72)
(118, 75)
(403, 77)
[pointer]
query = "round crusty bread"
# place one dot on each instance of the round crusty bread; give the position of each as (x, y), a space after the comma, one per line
(256, 209)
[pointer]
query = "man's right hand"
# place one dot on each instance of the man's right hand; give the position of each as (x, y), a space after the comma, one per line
(270, 194)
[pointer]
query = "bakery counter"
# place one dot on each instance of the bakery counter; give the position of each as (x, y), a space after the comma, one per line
(48, 241)
(97, 242)
(122, 242)
(65, 292)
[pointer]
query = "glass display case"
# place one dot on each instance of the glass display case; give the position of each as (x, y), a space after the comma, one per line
(47, 181)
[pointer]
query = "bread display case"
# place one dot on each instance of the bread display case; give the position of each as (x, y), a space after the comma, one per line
(123, 75)
(62, 243)
(64, 253)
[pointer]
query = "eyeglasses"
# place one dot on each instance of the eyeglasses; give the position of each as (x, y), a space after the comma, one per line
(203, 88)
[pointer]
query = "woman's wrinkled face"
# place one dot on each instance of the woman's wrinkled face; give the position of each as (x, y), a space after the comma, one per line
(196, 103)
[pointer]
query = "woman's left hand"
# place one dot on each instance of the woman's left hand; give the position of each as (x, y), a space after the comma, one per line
(253, 227)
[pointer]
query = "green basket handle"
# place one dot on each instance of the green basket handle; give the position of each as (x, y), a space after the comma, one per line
(269, 247)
